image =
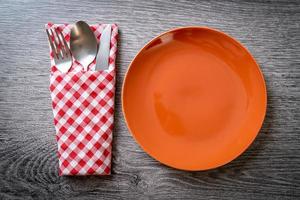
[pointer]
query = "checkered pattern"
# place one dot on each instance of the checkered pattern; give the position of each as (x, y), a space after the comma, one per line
(83, 107)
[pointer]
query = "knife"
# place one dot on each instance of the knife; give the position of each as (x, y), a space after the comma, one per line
(103, 50)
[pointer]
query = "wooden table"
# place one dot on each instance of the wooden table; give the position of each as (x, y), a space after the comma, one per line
(269, 169)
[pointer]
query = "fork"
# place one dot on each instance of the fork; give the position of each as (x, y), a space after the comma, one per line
(61, 52)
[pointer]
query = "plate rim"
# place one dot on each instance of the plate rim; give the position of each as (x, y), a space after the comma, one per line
(213, 30)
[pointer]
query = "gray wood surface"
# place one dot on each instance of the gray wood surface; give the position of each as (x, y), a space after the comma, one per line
(269, 169)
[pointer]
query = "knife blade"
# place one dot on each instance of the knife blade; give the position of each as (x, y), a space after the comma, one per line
(103, 51)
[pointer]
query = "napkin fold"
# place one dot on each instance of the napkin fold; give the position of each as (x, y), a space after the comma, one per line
(83, 109)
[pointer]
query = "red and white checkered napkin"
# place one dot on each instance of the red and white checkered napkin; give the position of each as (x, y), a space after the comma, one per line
(83, 107)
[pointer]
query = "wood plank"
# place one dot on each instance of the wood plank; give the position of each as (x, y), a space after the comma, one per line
(269, 169)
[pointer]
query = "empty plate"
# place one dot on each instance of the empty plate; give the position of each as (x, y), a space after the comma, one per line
(194, 98)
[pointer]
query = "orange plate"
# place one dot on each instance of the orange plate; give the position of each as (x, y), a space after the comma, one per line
(194, 98)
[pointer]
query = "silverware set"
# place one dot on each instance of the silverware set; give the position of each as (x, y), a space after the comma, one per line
(83, 47)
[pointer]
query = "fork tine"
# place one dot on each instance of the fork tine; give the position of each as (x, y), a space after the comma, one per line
(68, 51)
(53, 49)
(63, 43)
(57, 43)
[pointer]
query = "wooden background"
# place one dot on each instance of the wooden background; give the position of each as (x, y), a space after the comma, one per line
(270, 169)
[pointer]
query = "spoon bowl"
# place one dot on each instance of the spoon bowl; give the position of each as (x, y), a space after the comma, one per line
(83, 44)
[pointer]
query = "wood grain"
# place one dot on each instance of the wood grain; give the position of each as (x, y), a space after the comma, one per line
(269, 169)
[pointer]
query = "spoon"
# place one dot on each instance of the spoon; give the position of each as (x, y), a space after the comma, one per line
(83, 44)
